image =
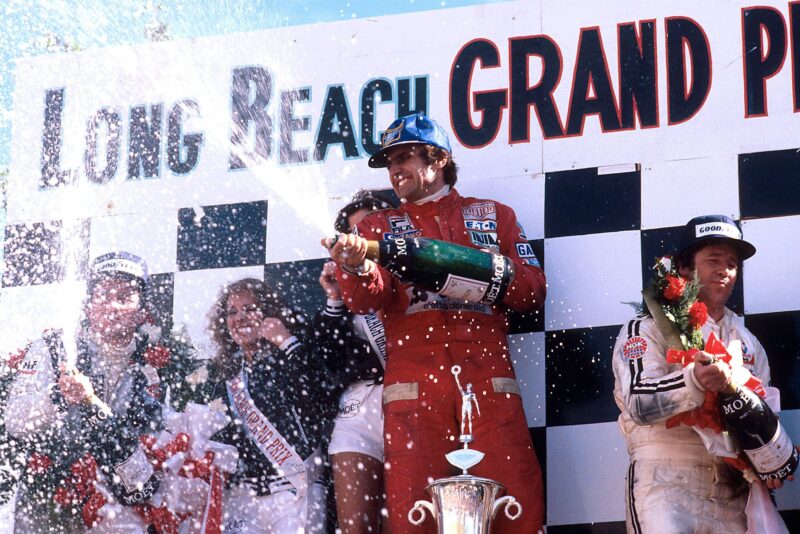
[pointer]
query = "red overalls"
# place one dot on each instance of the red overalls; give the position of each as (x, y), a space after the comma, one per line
(426, 335)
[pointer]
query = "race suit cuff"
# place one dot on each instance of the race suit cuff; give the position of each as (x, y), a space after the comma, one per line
(697, 392)
(334, 307)
(362, 270)
(289, 345)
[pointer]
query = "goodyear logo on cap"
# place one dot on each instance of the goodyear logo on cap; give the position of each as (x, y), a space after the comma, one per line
(717, 229)
(119, 265)
(392, 134)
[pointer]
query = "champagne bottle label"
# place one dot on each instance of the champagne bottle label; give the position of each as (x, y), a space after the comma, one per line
(136, 476)
(772, 456)
(465, 289)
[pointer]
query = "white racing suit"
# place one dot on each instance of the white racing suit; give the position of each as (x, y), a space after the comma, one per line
(32, 413)
(674, 485)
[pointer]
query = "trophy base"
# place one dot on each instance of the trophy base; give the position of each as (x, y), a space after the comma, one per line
(466, 438)
(464, 504)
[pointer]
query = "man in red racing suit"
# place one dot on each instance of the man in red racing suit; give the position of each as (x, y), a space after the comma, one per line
(427, 333)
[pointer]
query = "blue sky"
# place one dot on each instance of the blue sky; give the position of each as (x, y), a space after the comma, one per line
(25, 25)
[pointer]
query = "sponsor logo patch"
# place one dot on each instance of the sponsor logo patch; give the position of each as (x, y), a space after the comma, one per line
(349, 408)
(634, 348)
(392, 135)
(525, 251)
(401, 226)
(747, 357)
(521, 232)
(484, 239)
(717, 228)
(480, 211)
(481, 226)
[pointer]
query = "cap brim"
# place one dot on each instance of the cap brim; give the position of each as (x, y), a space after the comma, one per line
(746, 250)
(378, 160)
(743, 248)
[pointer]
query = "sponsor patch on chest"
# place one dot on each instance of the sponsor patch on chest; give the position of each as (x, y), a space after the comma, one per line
(400, 226)
(748, 357)
(480, 211)
(634, 348)
(484, 239)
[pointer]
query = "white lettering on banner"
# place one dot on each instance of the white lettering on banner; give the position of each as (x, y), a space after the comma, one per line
(265, 104)
(401, 247)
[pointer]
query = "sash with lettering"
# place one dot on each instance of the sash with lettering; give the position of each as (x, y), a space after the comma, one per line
(371, 328)
(266, 437)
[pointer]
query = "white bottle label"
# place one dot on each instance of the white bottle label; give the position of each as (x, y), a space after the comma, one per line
(135, 471)
(463, 289)
(773, 455)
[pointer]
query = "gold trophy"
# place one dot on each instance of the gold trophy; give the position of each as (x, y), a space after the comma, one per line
(464, 504)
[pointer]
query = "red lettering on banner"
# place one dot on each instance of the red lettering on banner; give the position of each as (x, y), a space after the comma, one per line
(286, 457)
(265, 434)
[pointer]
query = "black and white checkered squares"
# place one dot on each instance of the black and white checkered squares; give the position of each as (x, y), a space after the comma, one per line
(596, 231)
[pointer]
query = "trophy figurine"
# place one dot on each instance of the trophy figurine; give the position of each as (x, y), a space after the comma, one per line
(464, 504)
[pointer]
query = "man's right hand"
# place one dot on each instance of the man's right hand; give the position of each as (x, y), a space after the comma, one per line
(350, 253)
(76, 388)
(712, 375)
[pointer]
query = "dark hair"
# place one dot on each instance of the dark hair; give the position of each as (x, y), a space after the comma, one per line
(431, 154)
(224, 365)
(685, 257)
(366, 199)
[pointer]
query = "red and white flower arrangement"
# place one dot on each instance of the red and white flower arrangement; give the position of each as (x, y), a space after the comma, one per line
(677, 296)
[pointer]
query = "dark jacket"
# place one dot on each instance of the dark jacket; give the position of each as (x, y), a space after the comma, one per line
(351, 355)
(293, 389)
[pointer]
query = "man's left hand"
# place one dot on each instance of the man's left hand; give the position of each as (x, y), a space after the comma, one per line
(777, 484)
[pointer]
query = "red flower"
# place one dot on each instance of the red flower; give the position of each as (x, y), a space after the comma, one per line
(39, 463)
(698, 313)
(675, 287)
(157, 356)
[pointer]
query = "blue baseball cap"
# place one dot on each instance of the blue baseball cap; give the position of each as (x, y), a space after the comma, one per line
(708, 229)
(416, 128)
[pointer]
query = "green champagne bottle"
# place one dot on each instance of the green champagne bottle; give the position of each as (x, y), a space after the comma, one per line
(454, 271)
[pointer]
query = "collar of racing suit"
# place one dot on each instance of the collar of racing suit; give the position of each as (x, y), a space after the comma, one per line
(721, 329)
(434, 196)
